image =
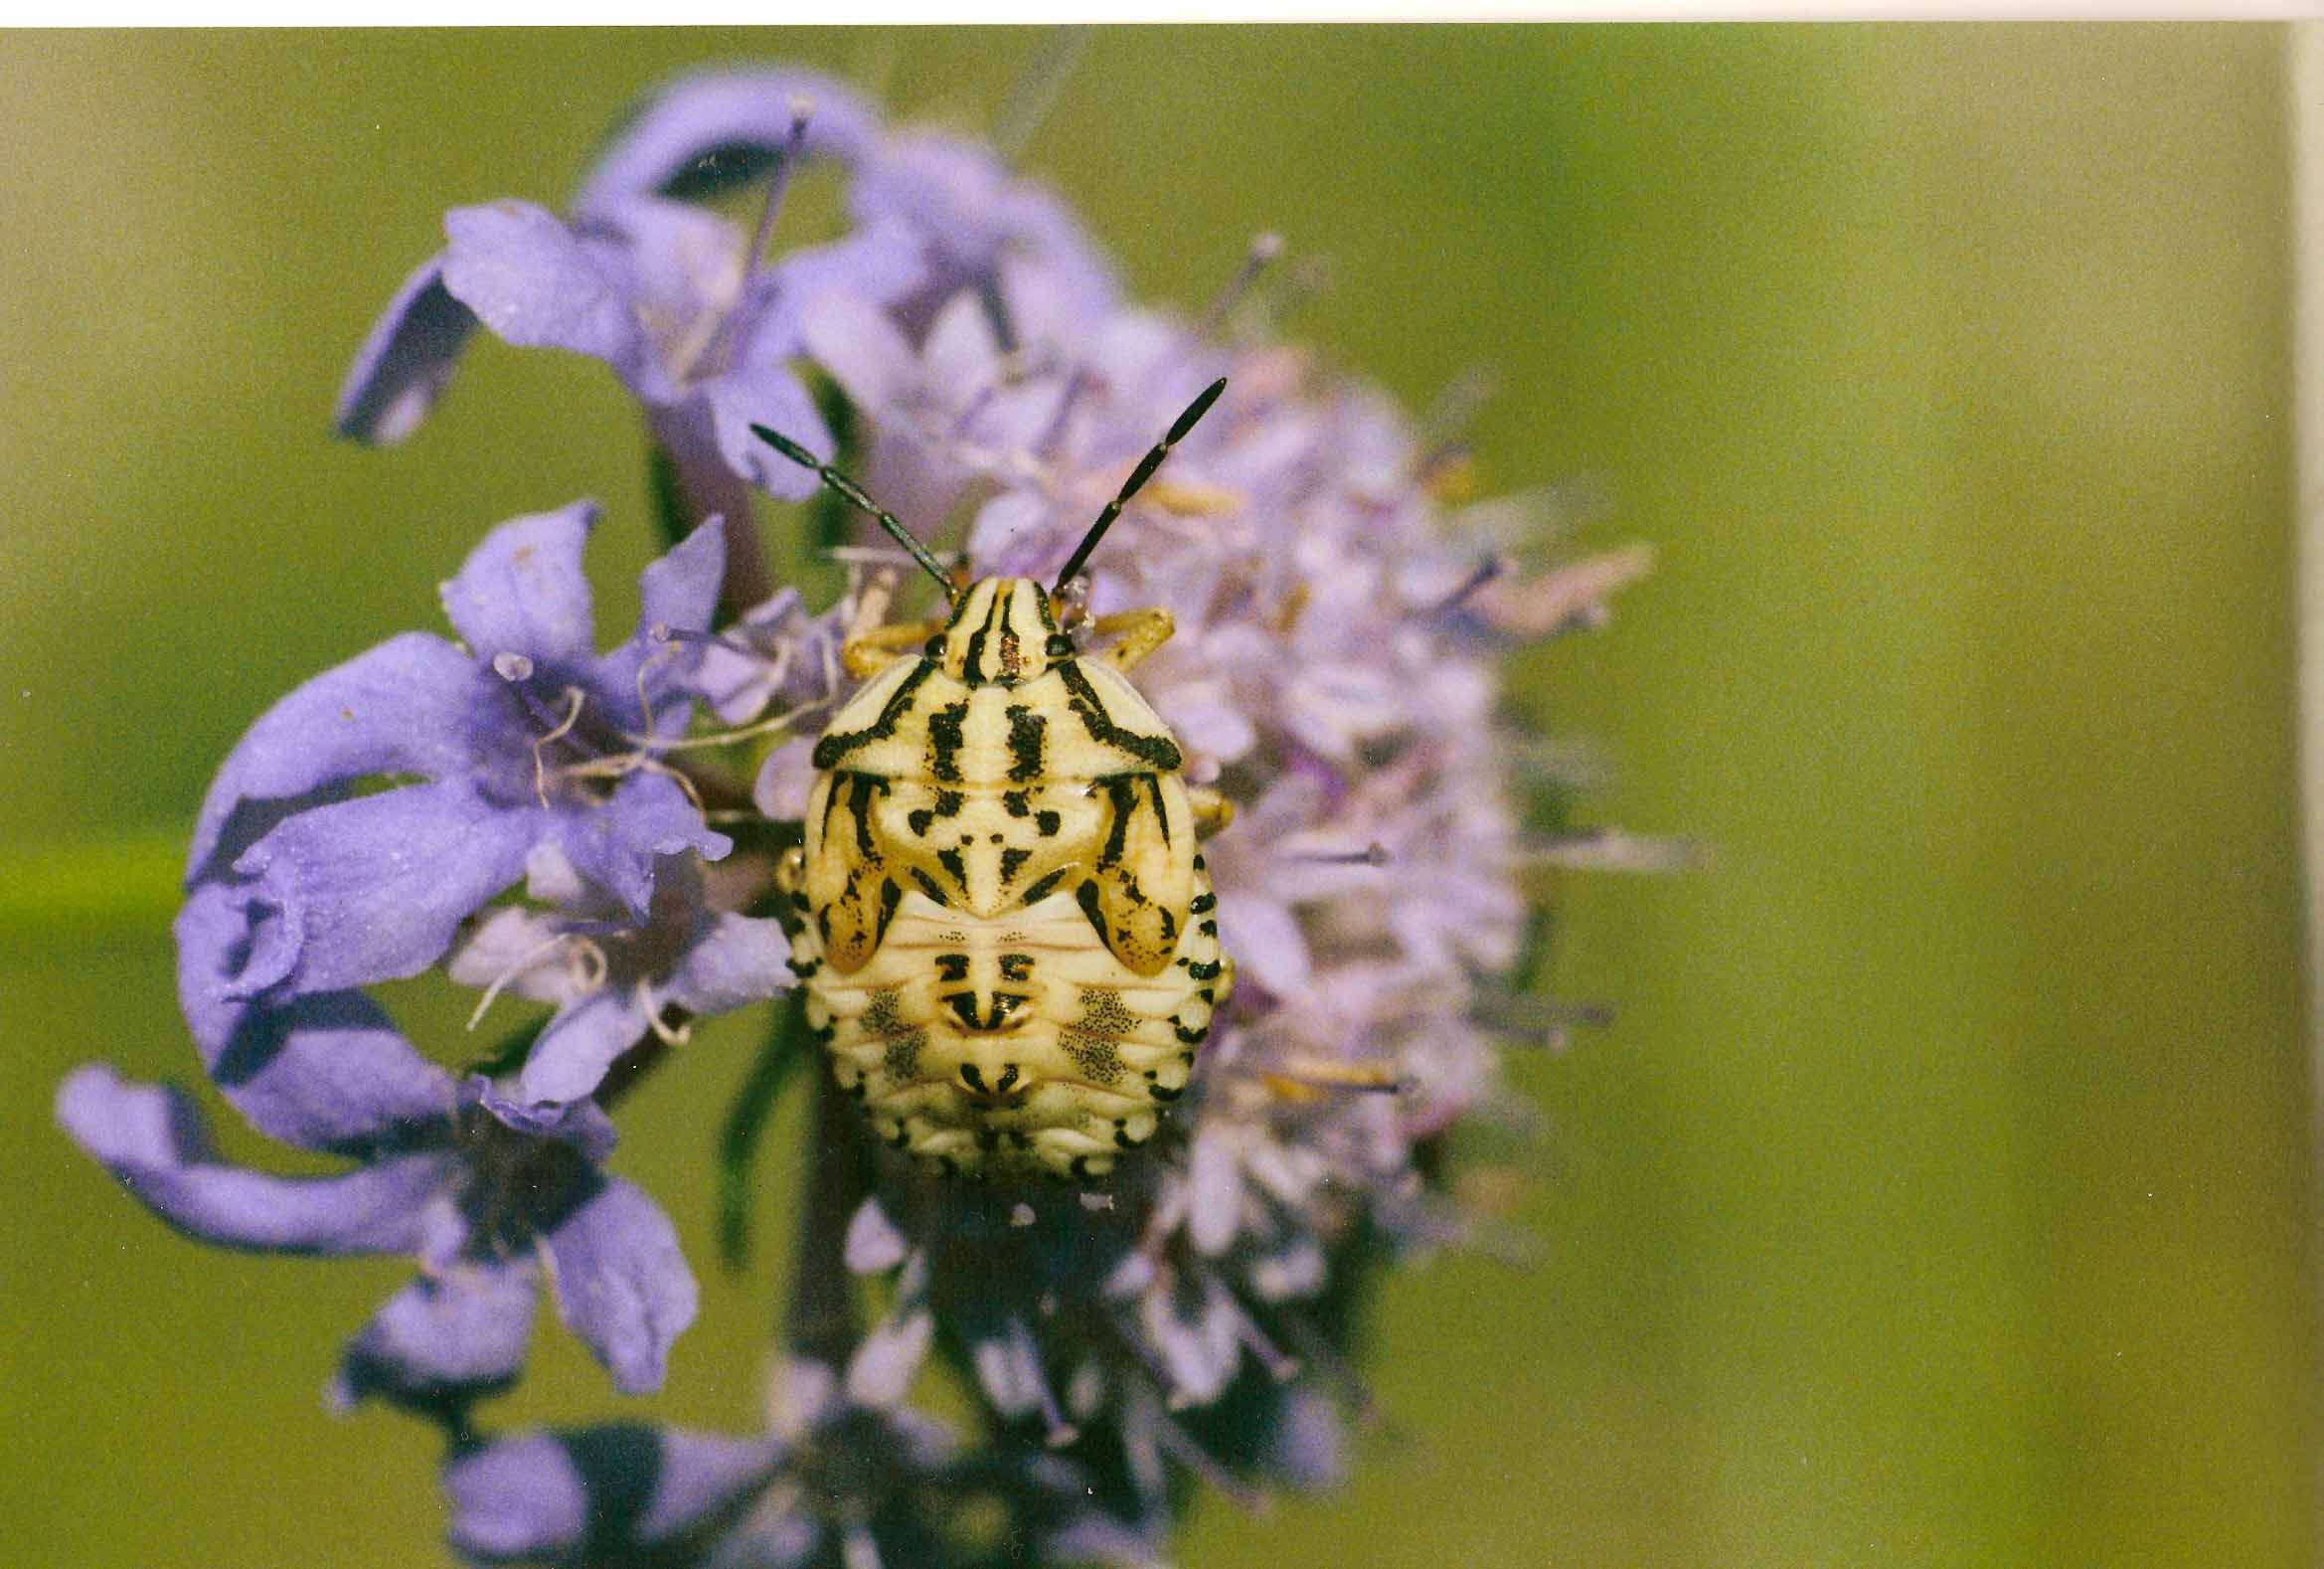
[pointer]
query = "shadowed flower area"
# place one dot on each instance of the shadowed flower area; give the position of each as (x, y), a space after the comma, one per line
(596, 840)
(485, 1195)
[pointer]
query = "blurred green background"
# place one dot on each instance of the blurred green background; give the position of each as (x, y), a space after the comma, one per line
(1942, 1193)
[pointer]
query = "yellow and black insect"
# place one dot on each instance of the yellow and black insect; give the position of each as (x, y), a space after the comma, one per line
(1006, 933)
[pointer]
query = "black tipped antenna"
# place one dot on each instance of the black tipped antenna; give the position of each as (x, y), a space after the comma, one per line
(852, 493)
(1136, 481)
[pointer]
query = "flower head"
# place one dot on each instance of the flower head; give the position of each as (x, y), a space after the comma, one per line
(844, 1476)
(611, 979)
(702, 135)
(1330, 682)
(524, 743)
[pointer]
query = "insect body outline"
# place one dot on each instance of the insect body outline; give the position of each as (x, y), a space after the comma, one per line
(1003, 922)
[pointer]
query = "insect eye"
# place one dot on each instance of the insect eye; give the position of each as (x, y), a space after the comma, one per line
(1061, 646)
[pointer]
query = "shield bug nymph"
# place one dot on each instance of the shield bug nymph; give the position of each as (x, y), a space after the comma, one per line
(1004, 927)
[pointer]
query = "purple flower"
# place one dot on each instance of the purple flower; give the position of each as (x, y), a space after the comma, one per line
(1330, 675)
(944, 411)
(668, 297)
(699, 135)
(859, 1487)
(776, 654)
(609, 1496)
(981, 228)
(844, 1476)
(611, 979)
(525, 739)
(485, 1194)
(709, 132)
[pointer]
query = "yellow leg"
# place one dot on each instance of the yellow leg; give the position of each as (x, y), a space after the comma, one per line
(1142, 631)
(867, 653)
(871, 647)
(1212, 810)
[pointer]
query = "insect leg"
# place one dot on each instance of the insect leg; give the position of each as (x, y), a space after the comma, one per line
(871, 645)
(867, 653)
(1212, 810)
(1142, 631)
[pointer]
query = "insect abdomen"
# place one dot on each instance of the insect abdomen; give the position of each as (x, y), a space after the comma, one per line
(1003, 883)
(1016, 1043)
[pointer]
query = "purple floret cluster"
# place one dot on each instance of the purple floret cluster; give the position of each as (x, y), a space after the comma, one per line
(584, 836)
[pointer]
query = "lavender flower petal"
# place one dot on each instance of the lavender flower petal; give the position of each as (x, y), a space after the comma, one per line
(1265, 941)
(581, 1125)
(882, 1369)
(531, 281)
(771, 396)
(736, 962)
(324, 1071)
(598, 1495)
(968, 210)
(621, 1282)
(397, 708)
(880, 263)
(405, 360)
(681, 589)
(522, 591)
(442, 1339)
(712, 130)
(569, 1059)
(1305, 1441)
(874, 1246)
(374, 889)
(786, 780)
(616, 845)
(640, 684)
(854, 340)
(153, 1139)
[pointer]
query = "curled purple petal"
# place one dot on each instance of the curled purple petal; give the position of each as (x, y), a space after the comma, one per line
(583, 1125)
(442, 1339)
(397, 708)
(522, 591)
(616, 845)
(621, 1282)
(405, 360)
(324, 1071)
(595, 1495)
(786, 780)
(153, 1139)
(531, 281)
(769, 395)
(712, 130)
(736, 962)
(681, 589)
(647, 677)
(374, 889)
(569, 1058)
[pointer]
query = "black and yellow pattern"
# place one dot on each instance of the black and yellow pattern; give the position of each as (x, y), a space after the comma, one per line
(1004, 925)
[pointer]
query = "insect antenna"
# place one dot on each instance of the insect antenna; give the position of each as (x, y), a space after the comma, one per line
(852, 493)
(1136, 481)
